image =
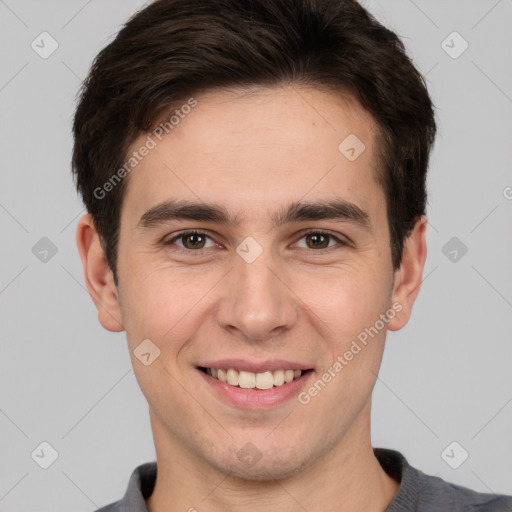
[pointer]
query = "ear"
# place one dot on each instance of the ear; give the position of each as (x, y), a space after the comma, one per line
(98, 276)
(408, 277)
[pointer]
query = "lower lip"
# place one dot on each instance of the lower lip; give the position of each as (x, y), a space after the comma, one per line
(257, 398)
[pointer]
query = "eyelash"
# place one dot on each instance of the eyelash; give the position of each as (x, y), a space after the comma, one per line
(201, 233)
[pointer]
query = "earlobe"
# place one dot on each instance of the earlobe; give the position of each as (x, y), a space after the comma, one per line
(409, 276)
(98, 275)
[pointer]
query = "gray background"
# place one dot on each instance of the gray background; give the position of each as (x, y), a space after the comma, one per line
(64, 380)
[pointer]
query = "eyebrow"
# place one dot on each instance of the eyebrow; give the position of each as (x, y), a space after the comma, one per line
(335, 209)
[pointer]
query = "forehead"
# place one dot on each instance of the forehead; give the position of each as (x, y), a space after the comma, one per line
(261, 146)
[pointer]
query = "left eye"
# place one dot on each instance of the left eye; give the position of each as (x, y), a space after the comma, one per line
(319, 240)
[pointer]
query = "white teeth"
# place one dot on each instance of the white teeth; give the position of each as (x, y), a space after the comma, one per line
(247, 380)
(278, 377)
(250, 380)
(264, 380)
(232, 377)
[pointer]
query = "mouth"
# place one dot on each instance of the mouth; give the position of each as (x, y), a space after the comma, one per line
(255, 385)
(264, 380)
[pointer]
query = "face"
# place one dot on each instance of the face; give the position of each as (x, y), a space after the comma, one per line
(282, 270)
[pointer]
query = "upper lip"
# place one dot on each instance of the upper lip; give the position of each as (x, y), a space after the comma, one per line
(254, 366)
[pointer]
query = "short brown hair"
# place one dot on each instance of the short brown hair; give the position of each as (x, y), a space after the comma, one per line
(173, 49)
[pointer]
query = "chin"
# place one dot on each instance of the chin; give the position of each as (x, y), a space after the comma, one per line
(267, 466)
(263, 472)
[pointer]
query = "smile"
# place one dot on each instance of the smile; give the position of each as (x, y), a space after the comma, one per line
(249, 380)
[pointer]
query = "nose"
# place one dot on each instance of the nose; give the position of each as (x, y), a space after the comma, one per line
(256, 303)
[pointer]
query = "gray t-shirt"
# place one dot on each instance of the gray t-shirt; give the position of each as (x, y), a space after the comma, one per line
(418, 492)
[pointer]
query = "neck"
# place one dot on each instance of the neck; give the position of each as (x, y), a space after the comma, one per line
(347, 478)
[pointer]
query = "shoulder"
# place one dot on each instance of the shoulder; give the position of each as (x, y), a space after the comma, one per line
(113, 507)
(436, 492)
(140, 487)
(420, 492)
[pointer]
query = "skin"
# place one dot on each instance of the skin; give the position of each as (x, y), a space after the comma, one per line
(254, 152)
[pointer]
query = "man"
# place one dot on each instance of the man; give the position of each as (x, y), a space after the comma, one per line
(254, 175)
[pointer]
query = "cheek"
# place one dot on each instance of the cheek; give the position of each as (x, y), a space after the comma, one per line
(163, 305)
(347, 299)
(353, 341)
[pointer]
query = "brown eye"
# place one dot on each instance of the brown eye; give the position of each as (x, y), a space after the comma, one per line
(317, 240)
(320, 240)
(193, 241)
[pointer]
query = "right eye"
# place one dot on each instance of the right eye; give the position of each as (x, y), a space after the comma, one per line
(190, 241)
